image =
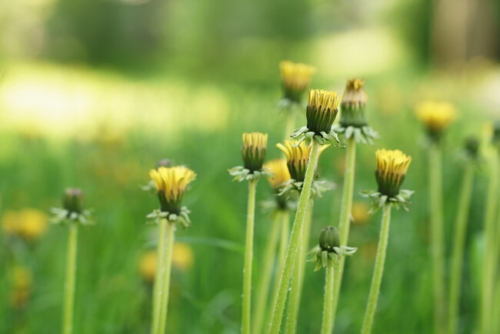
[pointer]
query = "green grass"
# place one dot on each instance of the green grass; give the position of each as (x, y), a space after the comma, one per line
(200, 124)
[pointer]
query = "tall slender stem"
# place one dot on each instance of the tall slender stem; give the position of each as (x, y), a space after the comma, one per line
(69, 284)
(298, 274)
(293, 244)
(458, 246)
(345, 213)
(247, 270)
(437, 236)
(267, 271)
(327, 324)
(290, 122)
(377, 271)
(169, 248)
(159, 277)
(285, 233)
(489, 249)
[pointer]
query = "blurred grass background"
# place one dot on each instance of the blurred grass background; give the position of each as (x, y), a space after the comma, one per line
(93, 93)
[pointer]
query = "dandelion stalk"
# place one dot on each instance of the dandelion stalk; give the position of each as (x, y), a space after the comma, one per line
(167, 267)
(489, 249)
(159, 278)
(437, 235)
(293, 244)
(378, 271)
(69, 284)
(267, 271)
(247, 271)
(458, 245)
(327, 323)
(298, 274)
(345, 212)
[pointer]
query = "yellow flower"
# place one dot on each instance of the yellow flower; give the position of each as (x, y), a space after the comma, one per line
(322, 108)
(21, 283)
(254, 150)
(182, 258)
(171, 184)
(147, 266)
(297, 157)
(360, 213)
(296, 79)
(29, 224)
(280, 172)
(436, 116)
(391, 171)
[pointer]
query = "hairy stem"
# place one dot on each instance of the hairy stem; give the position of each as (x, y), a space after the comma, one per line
(69, 284)
(327, 324)
(169, 248)
(159, 277)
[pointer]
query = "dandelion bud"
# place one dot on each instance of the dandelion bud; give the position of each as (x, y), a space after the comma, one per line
(73, 200)
(254, 150)
(353, 104)
(322, 109)
(329, 238)
(391, 171)
(296, 79)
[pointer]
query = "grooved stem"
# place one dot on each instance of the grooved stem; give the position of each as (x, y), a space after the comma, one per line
(159, 277)
(169, 248)
(327, 324)
(69, 284)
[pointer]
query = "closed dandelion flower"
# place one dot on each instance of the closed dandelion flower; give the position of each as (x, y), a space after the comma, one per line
(297, 158)
(296, 78)
(254, 150)
(322, 108)
(436, 117)
(171, 184)
(73, 200)
(353, 121)
(280, 173)
(391, 171)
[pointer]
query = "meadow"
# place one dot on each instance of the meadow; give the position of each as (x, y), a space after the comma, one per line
(68, 126)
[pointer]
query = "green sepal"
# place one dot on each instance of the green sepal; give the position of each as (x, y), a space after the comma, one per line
(363, 135)
(379, 200)
(240, 173)
(182, 218)
(62, 216)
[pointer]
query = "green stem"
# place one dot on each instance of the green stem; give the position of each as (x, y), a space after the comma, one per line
(290, 122)
(489, 249)
(285, 233)
(345, 215)
(159, 277)
(247, 271)
(458, 246)
(327, 324)
(293, 244)
(437, 236)
(267, 271)
(169, 248)
(378, 271)
(69, 284)
(298, 274)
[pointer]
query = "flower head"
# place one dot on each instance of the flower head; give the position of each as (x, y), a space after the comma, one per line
(322, 108)
(171, 184)
(353, 104)
(73, 200)
(297, 158)
(280, 173)
(296, 79)
(472, 147)
(29, 224)
(391, 171)
(329, 239)
(254, 150)
(329, 250)
(436, 116)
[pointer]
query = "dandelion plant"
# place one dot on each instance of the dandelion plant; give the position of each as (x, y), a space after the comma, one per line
(354, 126)
(71, 214)
(436, 117)
(170, 183)
(254, 154)
(327, 255)
(390, 174)
(321, 111)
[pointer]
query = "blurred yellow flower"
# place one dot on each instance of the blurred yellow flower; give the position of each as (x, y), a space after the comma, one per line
(182, 258)
(360, 213)
(171, 184)
(436, 116)
(29, 224)
(21, 286)
(280, 172)
(296, 78)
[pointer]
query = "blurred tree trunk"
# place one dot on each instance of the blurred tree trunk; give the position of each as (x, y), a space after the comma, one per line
(462, 29)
